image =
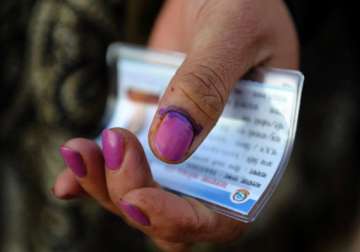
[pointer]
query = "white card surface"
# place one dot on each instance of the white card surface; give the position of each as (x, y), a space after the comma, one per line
(238, 166)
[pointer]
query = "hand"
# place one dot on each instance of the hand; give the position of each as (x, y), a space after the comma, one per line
(223, 40)
(123, 185)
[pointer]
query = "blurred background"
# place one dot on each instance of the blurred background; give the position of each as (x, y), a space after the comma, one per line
(53, 85)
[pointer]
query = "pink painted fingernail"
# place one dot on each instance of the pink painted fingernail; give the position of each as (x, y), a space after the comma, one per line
(113, 148)
(135, 213)
(174, 136)
(73, 160)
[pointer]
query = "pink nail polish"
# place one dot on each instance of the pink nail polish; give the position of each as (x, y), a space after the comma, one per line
(174, 136)
(134, 213)
(113, 148)
(73, 160)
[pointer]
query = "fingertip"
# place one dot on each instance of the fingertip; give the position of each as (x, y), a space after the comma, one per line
(92, 161)
(113, 143)
(171, 218)
(67, 187)
(127, 166)
(134, 213)
(80, 154)
(172, 134)
(82, 145)
(73, 160)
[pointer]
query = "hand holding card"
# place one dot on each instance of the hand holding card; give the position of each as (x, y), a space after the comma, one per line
(240, 163)
(235, 137)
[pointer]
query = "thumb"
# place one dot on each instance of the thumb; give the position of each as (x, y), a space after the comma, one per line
(195, 98)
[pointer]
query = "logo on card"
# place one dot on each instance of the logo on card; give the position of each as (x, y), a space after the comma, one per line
(239, 196)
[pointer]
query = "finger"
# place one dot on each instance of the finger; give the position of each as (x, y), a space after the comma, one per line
(176, 219)
(126, 165)
(160, 214)
(197, 94)
(127, 170)
(67, 187)
(85, 160)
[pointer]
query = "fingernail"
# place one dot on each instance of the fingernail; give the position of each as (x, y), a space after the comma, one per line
(73, 160)
(134, 213)
(174, 136)
(113, 149)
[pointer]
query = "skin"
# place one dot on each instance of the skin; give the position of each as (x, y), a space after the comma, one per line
(223, 40)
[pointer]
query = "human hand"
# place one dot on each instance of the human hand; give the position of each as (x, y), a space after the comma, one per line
(223, 40)
(119, 179)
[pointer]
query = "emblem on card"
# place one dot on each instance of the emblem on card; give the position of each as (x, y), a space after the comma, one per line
(239, 196)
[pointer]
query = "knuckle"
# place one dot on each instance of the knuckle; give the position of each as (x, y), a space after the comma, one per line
(245, 22)
(179, 231)
(142, 196)
(206, 88)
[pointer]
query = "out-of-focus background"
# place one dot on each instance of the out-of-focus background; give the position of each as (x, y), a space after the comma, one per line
(53, 85)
